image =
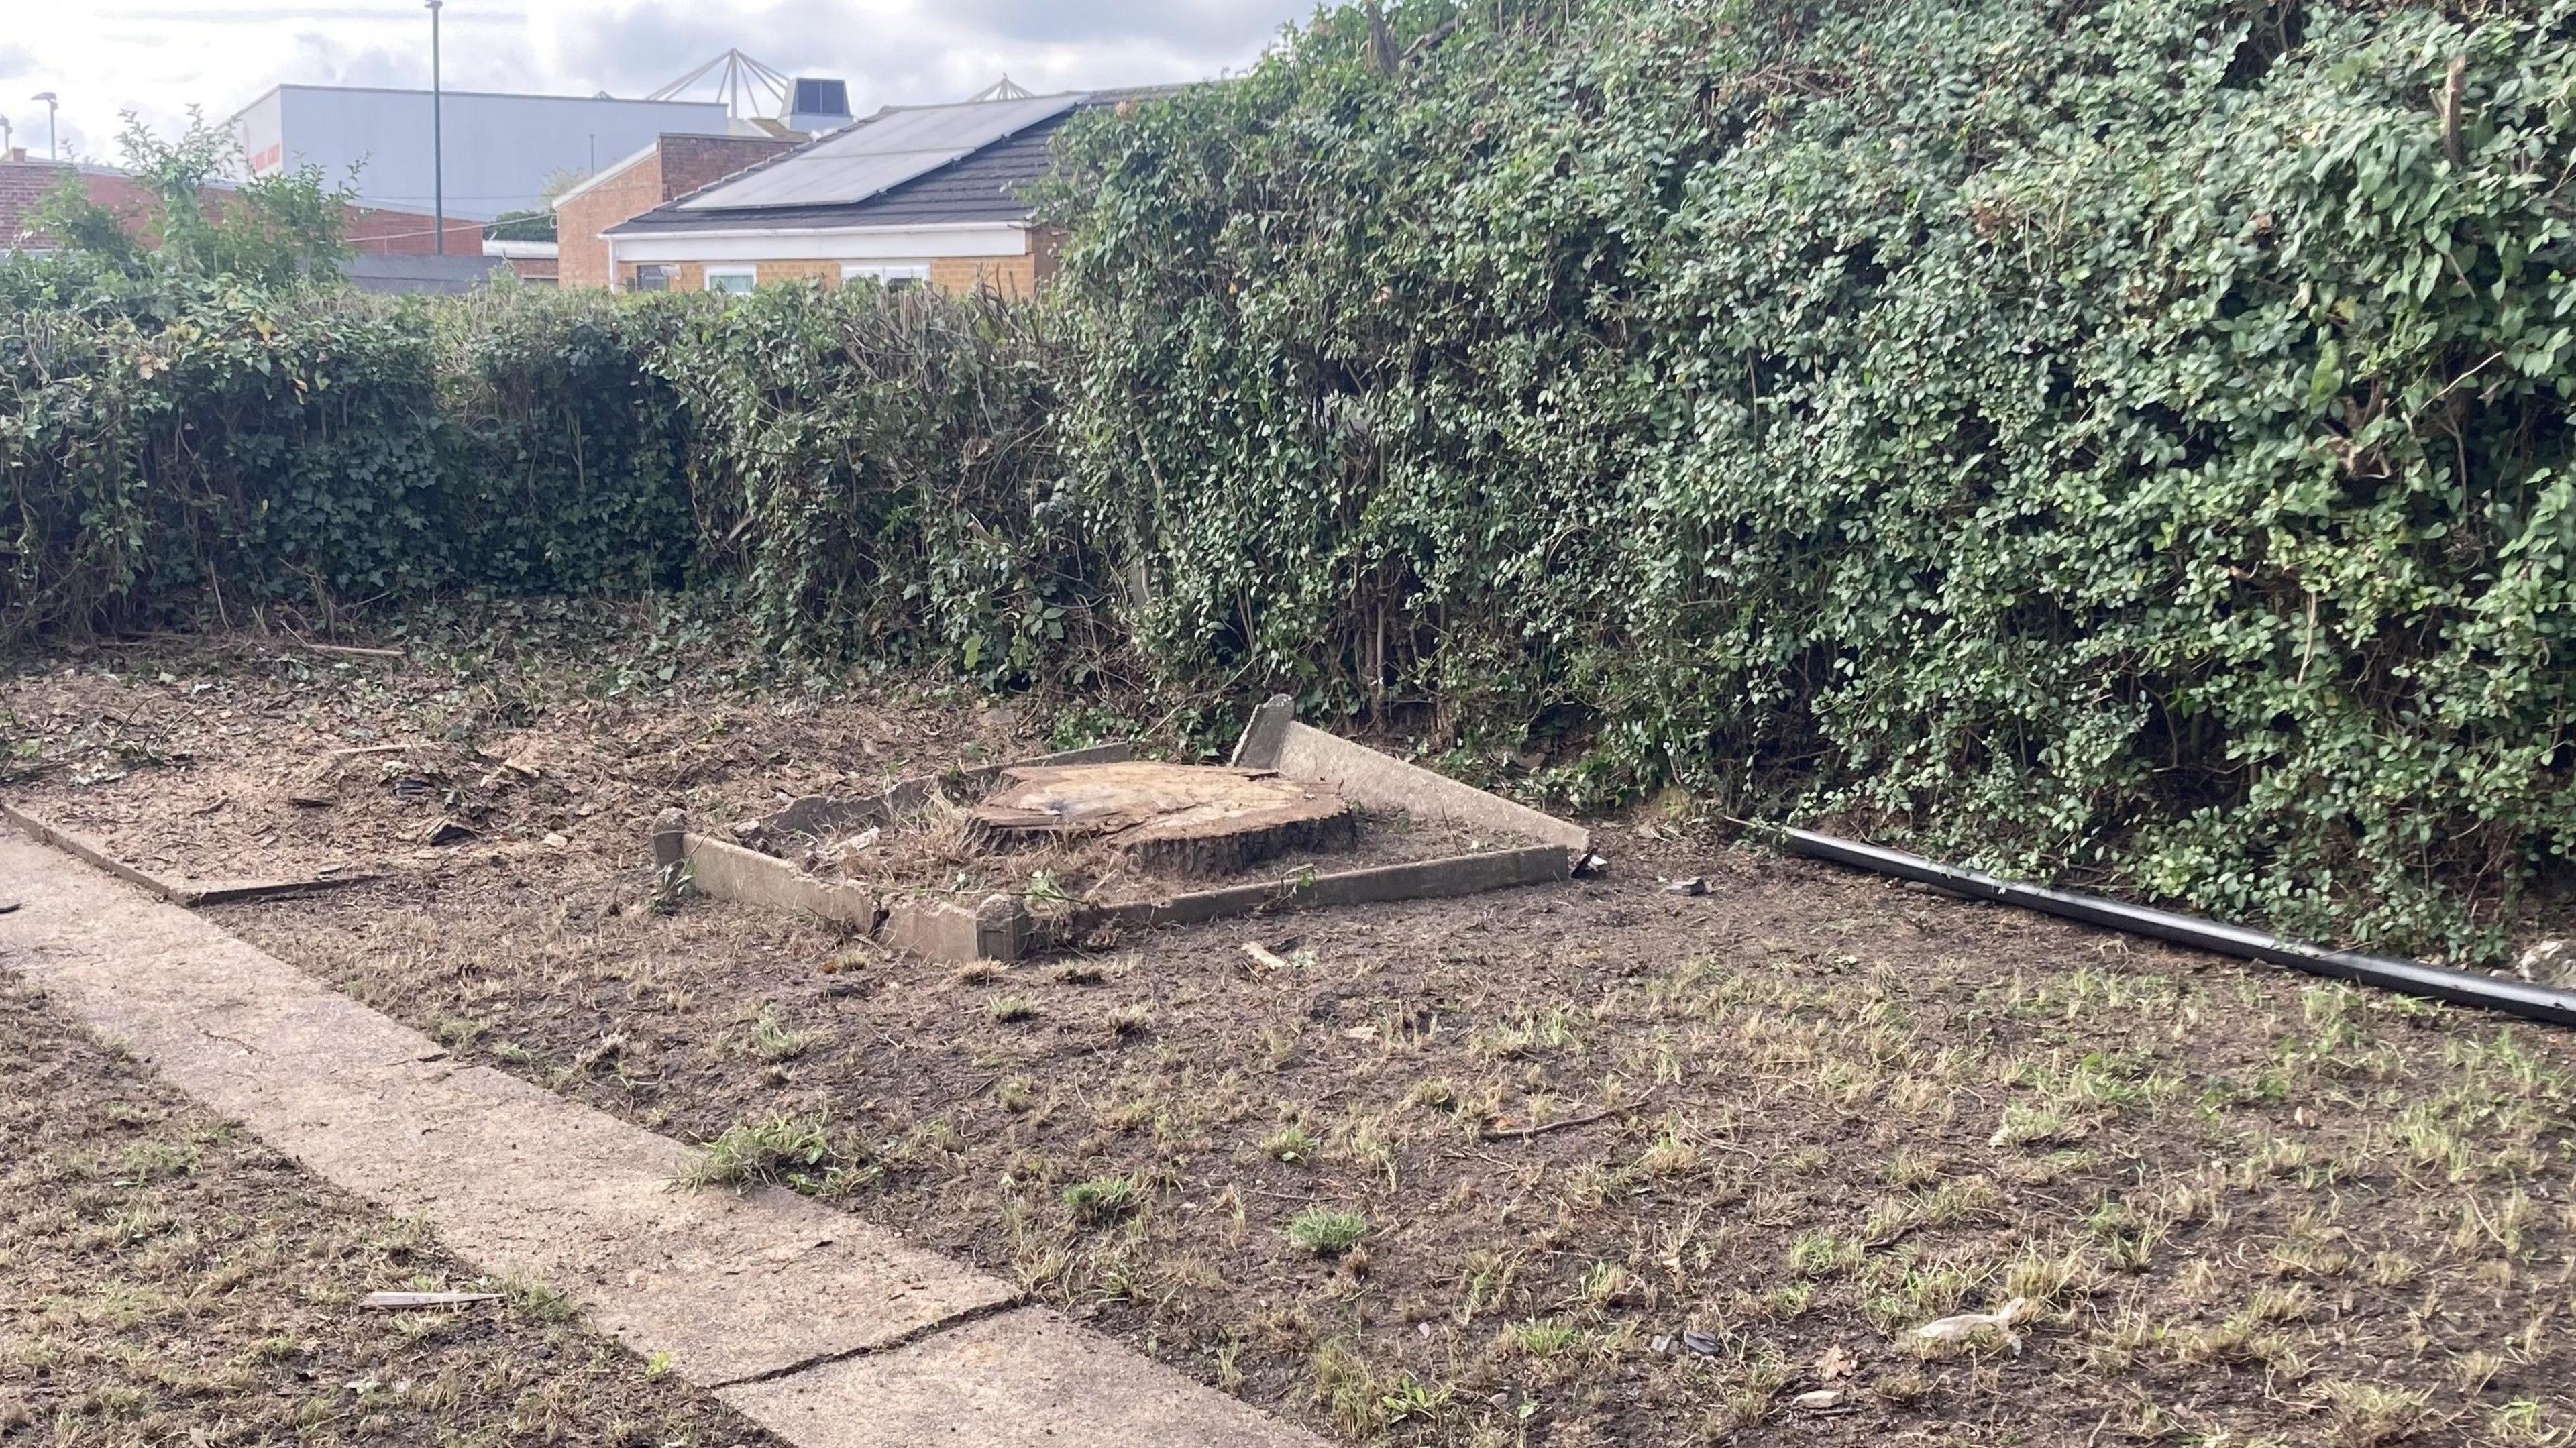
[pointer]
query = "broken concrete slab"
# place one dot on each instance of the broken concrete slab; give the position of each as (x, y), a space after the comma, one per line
(1021, 1379)
(1370, 777)
(509, 1174)
(731, 872)
(1265, 734)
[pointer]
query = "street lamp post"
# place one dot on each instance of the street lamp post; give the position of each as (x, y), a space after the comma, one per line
(53, 132)
(437, 137)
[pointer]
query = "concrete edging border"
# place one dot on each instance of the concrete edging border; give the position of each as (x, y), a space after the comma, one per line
(1002, 927)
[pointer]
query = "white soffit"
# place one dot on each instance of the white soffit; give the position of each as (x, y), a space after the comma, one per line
(880, 154)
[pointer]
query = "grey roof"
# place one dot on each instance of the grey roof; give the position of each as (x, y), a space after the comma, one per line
(984, 184)
(412, 272)
(890, 148)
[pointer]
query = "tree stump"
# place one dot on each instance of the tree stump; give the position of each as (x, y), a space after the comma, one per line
(1184, 818)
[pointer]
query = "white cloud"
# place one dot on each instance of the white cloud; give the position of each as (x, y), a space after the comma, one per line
(159, 57)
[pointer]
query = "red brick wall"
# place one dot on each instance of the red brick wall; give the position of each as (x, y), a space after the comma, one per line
(678, 166)
(692, 162)
(376, 230)
(582, 254)
(24, 183)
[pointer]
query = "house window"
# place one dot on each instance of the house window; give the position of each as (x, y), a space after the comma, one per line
(894, 276)
(732, 280)
(653, 277)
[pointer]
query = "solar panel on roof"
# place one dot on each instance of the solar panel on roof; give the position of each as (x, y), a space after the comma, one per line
(879, 155)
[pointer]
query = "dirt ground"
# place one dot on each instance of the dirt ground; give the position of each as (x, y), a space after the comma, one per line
(1597, 1163)
(172, 1281)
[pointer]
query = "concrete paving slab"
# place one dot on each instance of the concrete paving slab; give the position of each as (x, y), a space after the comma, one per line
(509, 1174)
(1020, 1379)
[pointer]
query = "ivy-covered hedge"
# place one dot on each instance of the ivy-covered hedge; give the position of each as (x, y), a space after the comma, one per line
(876, 469)
(2101, 438)
(2118, 441)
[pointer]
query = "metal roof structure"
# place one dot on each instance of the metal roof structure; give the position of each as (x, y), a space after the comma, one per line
(879, 154)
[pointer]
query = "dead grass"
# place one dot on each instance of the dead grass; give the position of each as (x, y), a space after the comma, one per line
(1628, 1166)
(171, 1281)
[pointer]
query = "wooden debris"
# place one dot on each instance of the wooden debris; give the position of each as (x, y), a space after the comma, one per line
(407, 1301)
(230, 892)
(1259, 952)
(1518, 1133)
(447, 832)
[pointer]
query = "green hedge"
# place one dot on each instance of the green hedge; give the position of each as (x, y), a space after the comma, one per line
(2101, 440)
(2110, 442)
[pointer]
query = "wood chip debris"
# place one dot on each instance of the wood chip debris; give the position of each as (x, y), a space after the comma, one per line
(409, 1301)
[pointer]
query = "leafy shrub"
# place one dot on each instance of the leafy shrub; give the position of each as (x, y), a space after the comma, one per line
(2123, 442)
(883, 469)
(2125, 439)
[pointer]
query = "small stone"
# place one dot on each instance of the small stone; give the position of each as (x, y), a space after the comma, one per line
(1692, 886)
(1966, 1326)
(556, 841)
(1662, 1346)
(1703, 1343)
(1820, 1398)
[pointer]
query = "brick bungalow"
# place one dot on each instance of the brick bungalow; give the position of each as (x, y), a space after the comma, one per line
(672, 167)
(913, 195)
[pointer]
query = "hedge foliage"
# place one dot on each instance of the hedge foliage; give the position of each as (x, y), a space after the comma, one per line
(2098, 438)
(2110, 441)
(867, 464)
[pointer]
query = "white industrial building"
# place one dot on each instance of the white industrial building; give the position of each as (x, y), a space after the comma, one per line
(500, 149)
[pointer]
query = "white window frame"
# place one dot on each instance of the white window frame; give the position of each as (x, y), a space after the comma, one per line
(714, 274)
(888, 274)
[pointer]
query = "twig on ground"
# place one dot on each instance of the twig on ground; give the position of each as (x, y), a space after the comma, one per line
(1519, 1133)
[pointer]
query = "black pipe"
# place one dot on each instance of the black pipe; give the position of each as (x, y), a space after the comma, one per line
(2410, 977)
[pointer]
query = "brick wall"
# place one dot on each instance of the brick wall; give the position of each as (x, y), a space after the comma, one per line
(24, 183)
(1012, 276)
(678, 166)
(689, 277)
(826, 272)
(581, 251)
(370, 229)
(374, 229)
(690, 163)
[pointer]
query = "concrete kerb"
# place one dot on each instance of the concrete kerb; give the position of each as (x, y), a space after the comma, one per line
(72, 842)
(736, 1292)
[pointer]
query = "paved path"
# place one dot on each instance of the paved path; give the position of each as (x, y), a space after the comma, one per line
(830, 1332)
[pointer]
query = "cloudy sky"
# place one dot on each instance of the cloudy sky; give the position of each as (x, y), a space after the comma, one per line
(158, 57)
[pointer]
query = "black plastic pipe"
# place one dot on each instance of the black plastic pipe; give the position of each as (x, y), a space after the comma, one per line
(2409, 977)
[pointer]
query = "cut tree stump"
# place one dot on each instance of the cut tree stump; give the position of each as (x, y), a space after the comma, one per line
(1187, 818)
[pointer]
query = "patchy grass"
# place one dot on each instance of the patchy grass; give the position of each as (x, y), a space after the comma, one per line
(173, 1281)
(1324, 1231)
(1103, 1199)
(802, 1152)
(1630, 1167)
